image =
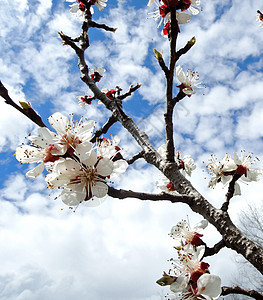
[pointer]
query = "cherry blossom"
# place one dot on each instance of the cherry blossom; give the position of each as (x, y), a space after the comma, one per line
(190, 278)
(186, 164)
(72, 137)
(95, 74)
(191, 5)
(221, 169)
(99, 3)
(188, 81)
(82, 181)
(109, 93)
(78, 8)
(162, 13)
(85, 100)
(243, 169)
(259, 19)
(183, 232)
(227, 168)
(165, 185)
(32, 154)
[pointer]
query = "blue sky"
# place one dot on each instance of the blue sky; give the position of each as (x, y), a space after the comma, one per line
(119, 249)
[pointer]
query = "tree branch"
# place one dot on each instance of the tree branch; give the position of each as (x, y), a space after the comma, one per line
(135, 157)
(233, 237)
(163, 66)
(230, 192)
(103, 26)
(123, 194)
(104, 129)
(168, 116)
(238, 290)
(214, 250)
(132, 89)
(29, 112)
(186, 48)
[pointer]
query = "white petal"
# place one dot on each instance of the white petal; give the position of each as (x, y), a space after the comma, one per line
(74, 8)
(72, 198)
(105, 167)
(180, 74)
(83, 150)
(45, 139)
(85, 130)
(93, 202)
(182, 18)
(89, 159)
(179, 285)
(200, 251)
(119, 167)
(188, 91)
(201, 225)
(100, 189)
(28, 154)
(209, 285)
(59, 122)
(36, 171)
(237, 190)
(193, 10)
(150, 2)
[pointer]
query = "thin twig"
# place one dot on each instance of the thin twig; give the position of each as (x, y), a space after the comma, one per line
(168, 116)
(103, 26)
(28, 112)
(104, 129)
(214, 250)
(132, 89)
(186, 48)
(135, 157)
(230, 192)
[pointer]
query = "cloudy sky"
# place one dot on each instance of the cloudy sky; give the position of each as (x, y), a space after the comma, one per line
(118, 250)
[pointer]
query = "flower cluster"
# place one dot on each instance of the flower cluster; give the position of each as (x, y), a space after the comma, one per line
(238, 168)
(186, 165)
(78, 7)
(75, 165)
(189, 278)
(189, 81)
(163, 12)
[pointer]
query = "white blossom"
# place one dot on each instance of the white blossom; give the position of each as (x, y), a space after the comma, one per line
(183, 232)
(165, 185)
(81, 181)
(186, 164)
(72, 137)
(101, 4)
(189, 81)
(259, 19)
(221, 170)
(78, 9)
(224, 170)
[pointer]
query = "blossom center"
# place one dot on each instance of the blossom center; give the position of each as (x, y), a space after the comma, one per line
(241, 170)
